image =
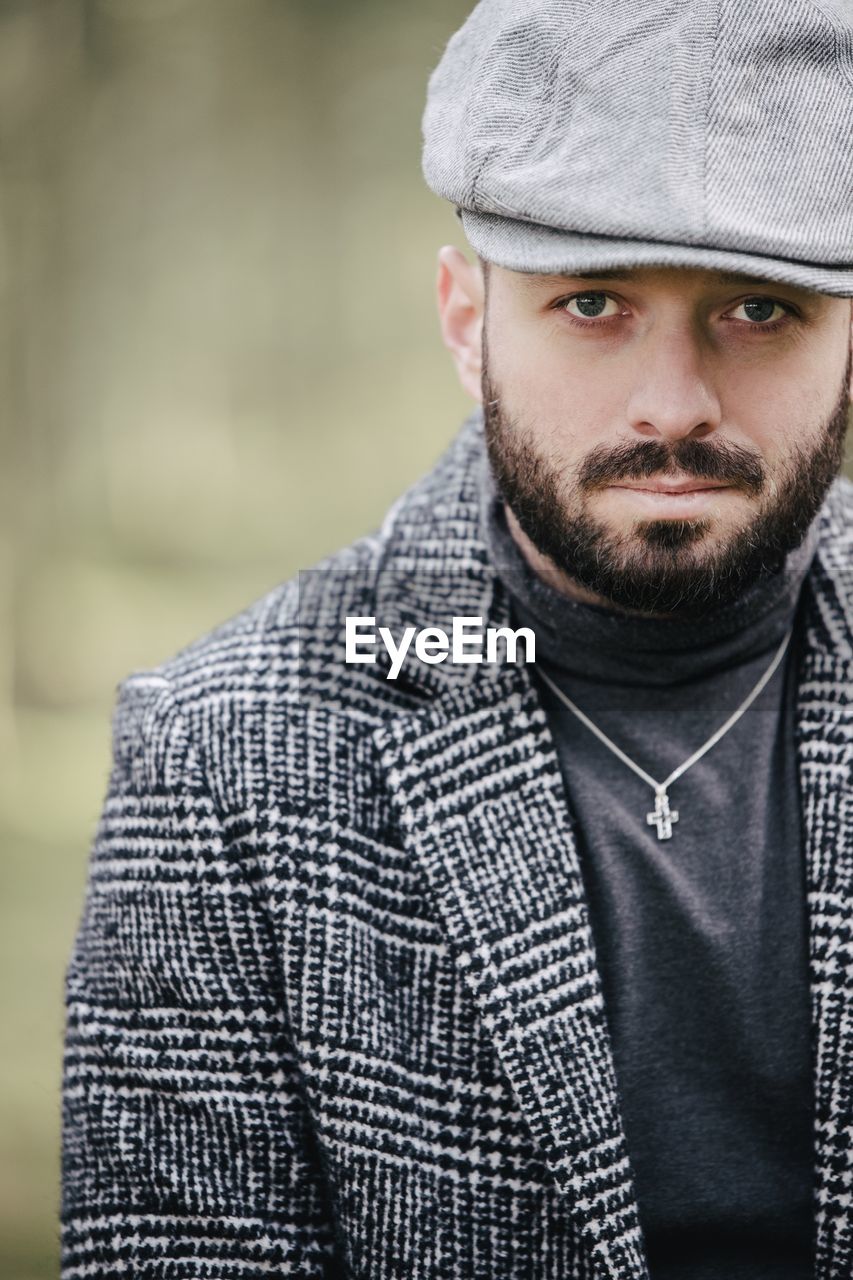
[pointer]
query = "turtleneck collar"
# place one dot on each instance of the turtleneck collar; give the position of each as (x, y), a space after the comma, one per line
(604, 644)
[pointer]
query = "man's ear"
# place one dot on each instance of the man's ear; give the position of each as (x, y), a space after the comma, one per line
(461, 303)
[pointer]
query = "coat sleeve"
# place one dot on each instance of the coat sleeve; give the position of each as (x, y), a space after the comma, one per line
(187, 1147)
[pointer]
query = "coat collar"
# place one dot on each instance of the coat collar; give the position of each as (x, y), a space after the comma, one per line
(476, 782)
(475, 779)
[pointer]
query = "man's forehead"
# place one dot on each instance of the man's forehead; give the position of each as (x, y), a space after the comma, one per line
(710, 276)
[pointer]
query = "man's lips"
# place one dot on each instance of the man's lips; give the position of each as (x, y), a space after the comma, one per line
(670, 486)
(664, 498)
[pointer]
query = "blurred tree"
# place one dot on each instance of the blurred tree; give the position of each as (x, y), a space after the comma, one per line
(219, 361)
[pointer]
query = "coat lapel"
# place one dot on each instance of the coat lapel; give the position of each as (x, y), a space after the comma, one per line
(480, 801)
(825, 757)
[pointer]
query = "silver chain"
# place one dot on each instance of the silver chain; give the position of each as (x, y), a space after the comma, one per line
(663, 816)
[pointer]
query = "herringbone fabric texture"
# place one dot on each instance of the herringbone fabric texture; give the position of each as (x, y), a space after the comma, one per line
(333, 1007)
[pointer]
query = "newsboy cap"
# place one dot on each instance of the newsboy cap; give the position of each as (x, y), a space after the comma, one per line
(575, 135)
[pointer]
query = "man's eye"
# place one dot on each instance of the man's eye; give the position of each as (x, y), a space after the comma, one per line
(590, 306)
(760, 311)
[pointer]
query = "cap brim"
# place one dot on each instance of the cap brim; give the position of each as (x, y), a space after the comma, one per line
(532, 247)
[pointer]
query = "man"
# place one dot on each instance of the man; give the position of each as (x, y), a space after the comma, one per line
(396, 961)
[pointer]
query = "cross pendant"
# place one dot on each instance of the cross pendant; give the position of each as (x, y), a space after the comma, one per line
(662, 817)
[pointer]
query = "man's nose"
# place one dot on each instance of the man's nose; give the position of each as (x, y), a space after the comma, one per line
(672, 394)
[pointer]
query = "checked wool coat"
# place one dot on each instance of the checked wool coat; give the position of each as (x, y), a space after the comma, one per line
(333, 1006)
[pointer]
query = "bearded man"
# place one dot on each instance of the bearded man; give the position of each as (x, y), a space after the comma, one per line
(465, 967)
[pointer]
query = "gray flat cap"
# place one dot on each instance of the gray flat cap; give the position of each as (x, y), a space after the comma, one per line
(592, 134)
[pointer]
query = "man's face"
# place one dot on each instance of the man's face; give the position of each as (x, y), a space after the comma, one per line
(663, 436)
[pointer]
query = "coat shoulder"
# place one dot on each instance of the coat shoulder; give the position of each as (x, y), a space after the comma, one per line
(280, 659)
(433, 520)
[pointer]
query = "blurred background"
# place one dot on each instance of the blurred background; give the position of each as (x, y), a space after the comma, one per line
(219, 360)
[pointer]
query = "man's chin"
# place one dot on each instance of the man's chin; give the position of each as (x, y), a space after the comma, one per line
(671, 536)
(675, 568)
(706, 537)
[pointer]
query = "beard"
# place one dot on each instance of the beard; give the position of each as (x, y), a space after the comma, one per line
(661, 566)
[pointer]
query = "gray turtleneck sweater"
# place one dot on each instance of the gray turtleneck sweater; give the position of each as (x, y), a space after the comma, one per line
(701, 939)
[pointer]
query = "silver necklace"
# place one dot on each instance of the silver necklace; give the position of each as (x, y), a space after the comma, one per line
(662, 816)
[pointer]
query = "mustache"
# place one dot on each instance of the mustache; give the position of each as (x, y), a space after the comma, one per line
(721, 461)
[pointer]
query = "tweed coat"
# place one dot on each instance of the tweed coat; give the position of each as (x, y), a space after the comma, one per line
(333, 1006)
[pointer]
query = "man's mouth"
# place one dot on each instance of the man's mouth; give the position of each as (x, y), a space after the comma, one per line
(668, 497)
(671, 486)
